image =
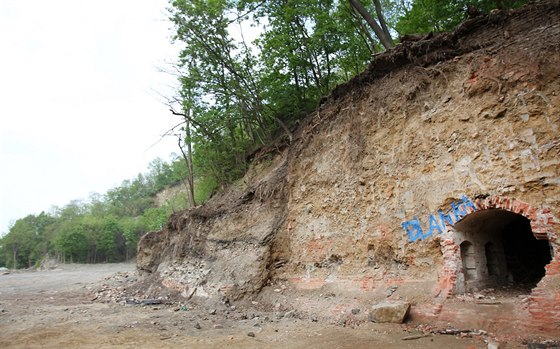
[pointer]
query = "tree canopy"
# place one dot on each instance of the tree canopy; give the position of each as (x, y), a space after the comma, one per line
(104, 228)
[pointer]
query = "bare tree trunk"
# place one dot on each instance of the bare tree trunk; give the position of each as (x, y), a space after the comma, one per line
(383, 37)
(188, 159)
(14, 250)
(364, 32)
(190, 168)
(381, 18)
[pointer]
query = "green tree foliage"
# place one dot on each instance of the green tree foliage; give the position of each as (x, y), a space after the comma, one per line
(111, 241)
(425, 16)
(219, 95)
(306, 48)
(238, 94)
(106, 228)
(2, 257)
(70, 242)
(131, 232)
(27, 241)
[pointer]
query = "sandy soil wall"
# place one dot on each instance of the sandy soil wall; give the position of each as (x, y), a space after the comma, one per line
(366, 197)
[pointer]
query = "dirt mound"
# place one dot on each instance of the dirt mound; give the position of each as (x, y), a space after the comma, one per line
(224, 246)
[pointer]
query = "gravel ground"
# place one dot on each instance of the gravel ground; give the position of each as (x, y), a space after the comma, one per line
(68, 308)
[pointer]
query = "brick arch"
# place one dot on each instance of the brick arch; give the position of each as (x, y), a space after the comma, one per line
(543, 224)
(544, 301)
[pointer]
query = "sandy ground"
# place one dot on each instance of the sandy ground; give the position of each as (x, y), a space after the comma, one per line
(54, 309)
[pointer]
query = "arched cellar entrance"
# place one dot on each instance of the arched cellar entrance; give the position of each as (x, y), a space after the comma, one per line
(498, 248)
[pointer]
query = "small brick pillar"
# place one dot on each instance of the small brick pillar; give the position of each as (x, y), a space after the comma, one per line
(544, 302)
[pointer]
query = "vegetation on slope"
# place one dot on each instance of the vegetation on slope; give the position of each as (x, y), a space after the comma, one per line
(251, 69)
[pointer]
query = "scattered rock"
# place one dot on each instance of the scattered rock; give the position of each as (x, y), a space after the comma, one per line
(150, 302)
(290, 314)
(212, 312)
(251, 334)
(197, 326)
(418, 336)
(389, 292)
(394, 312)
(494, 114)
(355, 311)
(464, 333)
(547, 344)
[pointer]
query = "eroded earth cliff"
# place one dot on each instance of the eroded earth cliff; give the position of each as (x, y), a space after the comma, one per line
(433, 177)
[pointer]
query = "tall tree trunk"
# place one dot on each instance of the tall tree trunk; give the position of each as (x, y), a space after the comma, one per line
(190, 168)
(363, 31)
(188, 158)
(383, 37)
(381, 18)
(14, 250)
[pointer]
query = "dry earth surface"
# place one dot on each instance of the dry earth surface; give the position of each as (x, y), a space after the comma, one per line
(56, 309)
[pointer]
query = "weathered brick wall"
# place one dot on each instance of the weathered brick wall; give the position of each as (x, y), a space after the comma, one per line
(544, 304)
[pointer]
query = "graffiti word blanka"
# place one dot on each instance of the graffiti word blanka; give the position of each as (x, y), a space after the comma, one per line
(437, 222)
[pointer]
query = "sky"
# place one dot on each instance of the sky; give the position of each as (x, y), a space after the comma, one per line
(80, 98)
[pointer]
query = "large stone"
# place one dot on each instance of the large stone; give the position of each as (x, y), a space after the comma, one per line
(395, 312)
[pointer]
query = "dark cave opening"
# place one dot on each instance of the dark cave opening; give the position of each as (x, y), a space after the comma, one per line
(498, 248)
(526, 256)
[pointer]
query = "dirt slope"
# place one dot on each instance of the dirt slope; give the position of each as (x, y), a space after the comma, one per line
(472, 114)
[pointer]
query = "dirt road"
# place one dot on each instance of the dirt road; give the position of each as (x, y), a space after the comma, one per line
(54, 309)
